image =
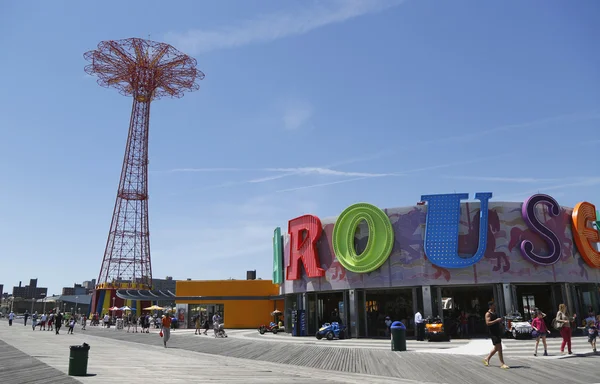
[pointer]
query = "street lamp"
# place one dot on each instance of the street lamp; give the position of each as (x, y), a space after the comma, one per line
(43, 295)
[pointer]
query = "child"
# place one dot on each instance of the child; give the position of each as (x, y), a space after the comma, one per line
(71, 325)
(206, 325)
(593, 333)
(540, 331)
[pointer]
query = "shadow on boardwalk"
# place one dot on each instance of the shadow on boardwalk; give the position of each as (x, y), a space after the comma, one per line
(429, 367)
(18, 367)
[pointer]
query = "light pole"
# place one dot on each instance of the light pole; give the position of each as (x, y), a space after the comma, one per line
(76, 302)
(44, 299)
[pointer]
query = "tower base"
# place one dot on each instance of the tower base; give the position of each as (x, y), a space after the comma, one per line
(105, 298)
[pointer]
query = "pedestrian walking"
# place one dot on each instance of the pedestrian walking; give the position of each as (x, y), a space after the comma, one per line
(58, 322)
(50, 322)
(420, 326)
(198, 324)
(540, 330)
(25, 317)
(206, 326)
(592, 331)
(83, 322)
(71, 325)
(34, 318)
(11, 317)
(562, 323)
(166, 329)
(43, 322)
(492, 320)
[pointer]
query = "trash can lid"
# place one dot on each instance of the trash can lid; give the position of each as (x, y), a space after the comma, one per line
(398, 325)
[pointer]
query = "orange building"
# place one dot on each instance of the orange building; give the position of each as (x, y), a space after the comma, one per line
(241, 303)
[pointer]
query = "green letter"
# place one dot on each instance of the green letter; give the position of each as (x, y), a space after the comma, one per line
(277, 257)
(379, 245)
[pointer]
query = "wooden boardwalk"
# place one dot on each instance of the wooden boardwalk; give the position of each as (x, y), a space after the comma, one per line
(118, 354)
(422, 367)
(19, 368)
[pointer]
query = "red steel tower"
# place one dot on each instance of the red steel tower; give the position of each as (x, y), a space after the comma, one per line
(146, 70)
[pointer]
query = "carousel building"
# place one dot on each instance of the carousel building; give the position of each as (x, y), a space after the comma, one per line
(443, 257)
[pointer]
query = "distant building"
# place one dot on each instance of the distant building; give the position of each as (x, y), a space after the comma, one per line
(30, 291)
(166, 284)
(76, 289)
(89, 285)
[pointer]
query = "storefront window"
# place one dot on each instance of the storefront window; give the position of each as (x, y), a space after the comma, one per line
(395, 303)
(205, 311)
(291, 304)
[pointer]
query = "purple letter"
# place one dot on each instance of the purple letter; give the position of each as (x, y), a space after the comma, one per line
(554, 246)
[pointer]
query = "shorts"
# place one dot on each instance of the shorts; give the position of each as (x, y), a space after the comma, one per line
(496, 340)
(591, 338)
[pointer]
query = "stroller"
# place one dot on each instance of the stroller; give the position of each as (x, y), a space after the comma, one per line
(220, 330)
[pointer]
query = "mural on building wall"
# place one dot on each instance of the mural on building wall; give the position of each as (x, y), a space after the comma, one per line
(407, 265)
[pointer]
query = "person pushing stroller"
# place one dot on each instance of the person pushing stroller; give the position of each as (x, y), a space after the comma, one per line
(218, 327)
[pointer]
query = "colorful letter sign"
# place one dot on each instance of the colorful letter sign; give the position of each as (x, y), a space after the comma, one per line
(554, 246)
(304, 232)
(586, 237)
(277, 257)
(441, 230)
(379, 245)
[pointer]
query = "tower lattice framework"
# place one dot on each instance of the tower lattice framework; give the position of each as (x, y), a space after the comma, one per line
(146, 70)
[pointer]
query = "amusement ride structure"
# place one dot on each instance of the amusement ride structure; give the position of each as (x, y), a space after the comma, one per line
(145, 70)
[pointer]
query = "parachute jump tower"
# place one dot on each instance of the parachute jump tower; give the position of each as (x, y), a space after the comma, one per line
(145, 70)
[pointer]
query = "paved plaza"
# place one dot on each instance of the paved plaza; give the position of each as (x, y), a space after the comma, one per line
(28, 356)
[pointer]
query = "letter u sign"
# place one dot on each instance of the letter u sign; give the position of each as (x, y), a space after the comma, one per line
(441, 229)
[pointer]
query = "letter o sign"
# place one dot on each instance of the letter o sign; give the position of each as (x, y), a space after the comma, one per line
(379, 245)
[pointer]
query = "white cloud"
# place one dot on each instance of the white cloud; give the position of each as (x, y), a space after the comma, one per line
(297, 115)
(580, 182)
(207, 170)
(227, 234)
(322, 184)
(286, 172)
(275, 26)
(565, 119)
(517, 180)
(402, 173)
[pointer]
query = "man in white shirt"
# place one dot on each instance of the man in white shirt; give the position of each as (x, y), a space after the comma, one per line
(420, 326)
(11, 317)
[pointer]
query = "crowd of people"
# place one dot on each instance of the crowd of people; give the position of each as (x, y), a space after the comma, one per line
(562, 323)
(51, 321)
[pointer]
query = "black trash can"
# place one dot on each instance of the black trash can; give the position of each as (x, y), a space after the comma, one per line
(78, 360)
(398, 336)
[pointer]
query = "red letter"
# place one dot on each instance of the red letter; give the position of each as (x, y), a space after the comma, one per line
(304, 232)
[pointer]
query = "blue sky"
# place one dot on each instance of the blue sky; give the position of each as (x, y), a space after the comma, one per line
(307, 107)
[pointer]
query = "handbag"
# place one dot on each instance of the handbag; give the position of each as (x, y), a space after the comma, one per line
(161, 333)
(535, 334)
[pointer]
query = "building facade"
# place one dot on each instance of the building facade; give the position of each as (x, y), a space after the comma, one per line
(440, 257)
(75, 290)
(241, 303)
(31, 291)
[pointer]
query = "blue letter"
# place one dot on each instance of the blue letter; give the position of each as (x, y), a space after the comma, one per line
(441, 229)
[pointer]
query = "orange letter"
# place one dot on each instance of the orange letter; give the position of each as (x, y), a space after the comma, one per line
(586, 237)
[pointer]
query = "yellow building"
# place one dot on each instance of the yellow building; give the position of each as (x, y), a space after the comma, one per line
(241, 303)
